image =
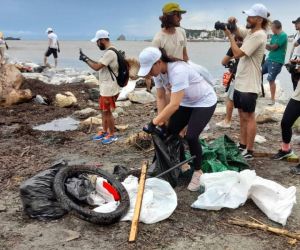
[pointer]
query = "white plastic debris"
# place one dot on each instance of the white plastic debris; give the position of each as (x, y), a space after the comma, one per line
(231, 189)
(273, 199)
(126, 90)
(159, 200)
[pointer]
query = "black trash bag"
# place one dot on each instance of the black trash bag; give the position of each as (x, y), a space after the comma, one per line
(167, 155)
(37, 195)
(79, 187)
(121, 172)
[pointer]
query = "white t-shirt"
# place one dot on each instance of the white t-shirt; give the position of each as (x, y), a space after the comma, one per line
(172, 43)
(107, 83)
(53, 40)
(248, 75)
(182, 76)
(296, 52)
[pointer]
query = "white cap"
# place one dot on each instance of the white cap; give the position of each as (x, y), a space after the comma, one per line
(49, 29)
(100, 34)
(257, 10)
(147, 58)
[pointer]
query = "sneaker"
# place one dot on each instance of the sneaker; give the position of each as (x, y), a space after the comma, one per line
(241, 147)
(100, 136)
(195, 182)
(281, 155)
(223, 124)
(248, 155)
(109, 139)
(271, 102)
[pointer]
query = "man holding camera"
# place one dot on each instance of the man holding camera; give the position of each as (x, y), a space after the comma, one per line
(276, 57)
(248, 76)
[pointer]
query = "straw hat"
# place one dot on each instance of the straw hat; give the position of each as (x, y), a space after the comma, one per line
(134, 67)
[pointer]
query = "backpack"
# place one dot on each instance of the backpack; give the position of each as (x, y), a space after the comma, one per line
(123, 72)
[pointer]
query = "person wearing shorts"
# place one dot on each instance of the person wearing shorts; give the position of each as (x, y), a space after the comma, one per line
(276, 57)
(109, 88)
(248, 76)
(192, 103)
(53, 46)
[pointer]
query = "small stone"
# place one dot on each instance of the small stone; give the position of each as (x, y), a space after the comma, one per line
(142, 97)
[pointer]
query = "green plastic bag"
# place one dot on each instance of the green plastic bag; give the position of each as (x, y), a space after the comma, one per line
(221, 155)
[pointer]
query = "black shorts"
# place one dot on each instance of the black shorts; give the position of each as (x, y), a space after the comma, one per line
(51, 51)
(244, 101)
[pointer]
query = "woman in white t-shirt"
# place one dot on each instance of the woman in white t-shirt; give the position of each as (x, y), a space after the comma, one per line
(193, 101)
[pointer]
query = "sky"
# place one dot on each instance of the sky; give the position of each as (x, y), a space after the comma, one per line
(136, 19)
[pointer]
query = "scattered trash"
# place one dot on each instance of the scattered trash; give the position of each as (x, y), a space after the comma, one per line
(40, 100)
(37, 195)
(84, 211)
(62, 124)
(259, 139)
(231, 189)
(79, 187)
(159, 201)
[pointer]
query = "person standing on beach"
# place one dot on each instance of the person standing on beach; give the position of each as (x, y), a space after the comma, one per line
(295, 56)
(248, 76)
(230, 62)
(171, 37)
(276, 57)
(109, 88)
(53, 46)
(3, 45)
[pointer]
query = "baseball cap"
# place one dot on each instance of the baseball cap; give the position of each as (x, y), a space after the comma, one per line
(49, 30)
(171, 7)
(297, 20)
(147, 58)
(100, 34)
(257, 10)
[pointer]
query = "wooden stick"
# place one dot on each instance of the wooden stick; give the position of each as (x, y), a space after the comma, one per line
(264, 227)
(138, 204)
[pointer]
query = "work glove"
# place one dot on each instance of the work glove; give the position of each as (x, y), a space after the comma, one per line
(149, 128)
(82, 56)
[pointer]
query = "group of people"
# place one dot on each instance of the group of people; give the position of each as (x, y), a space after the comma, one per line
(185, 100)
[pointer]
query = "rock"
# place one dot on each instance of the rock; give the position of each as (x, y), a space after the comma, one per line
(85, 113)
(265, 118)
(259, 139)
(220, 109)
(94, 94)
(296, 125)
(91, 120)
(2, 208)
(9, 131)
(11, 80)
(122, 127)
(65, 100)
(120, 111)
(93, 104)
(296, 139)
(154, 91)
(115, 115)
(123, 103)
(36, 76)
(280, 95)
(142, 97)
(18, 96)
(91, 79)
(121, 38)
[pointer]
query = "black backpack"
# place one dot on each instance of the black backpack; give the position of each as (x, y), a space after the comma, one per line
(123, 76)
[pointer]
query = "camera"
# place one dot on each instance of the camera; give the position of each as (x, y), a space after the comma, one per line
(222, 26)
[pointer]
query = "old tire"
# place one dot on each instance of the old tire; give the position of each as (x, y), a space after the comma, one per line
(84, 212)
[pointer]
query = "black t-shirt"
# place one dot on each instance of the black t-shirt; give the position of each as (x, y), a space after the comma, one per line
(233, 68)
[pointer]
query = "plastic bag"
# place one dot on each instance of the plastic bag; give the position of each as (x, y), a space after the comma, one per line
(159, 200)
(273, 199)
(126, 90)
(224, 189)
(38, 197)
(167, 155)
(79, 187)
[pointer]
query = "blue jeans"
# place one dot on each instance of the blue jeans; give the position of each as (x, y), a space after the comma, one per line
(272, 68)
